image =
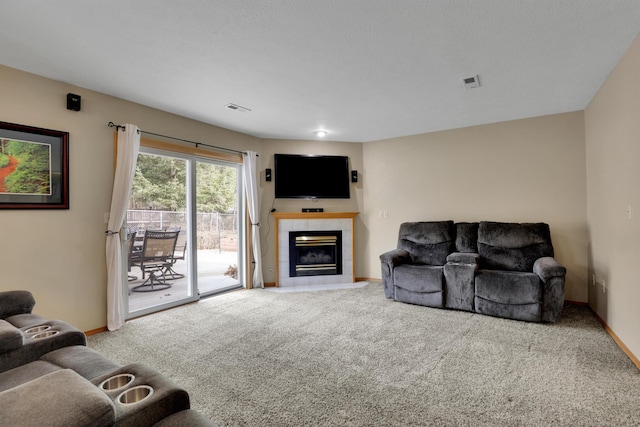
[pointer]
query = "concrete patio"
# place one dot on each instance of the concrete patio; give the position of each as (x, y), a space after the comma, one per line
(212, 264)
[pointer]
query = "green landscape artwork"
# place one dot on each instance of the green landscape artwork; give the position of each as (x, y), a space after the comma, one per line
(25, 167)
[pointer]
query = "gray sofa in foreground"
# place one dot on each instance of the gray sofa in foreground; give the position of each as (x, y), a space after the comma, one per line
(494, 268)
(48, 377)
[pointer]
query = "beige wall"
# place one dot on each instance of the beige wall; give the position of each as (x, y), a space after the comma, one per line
(535, 169)
(60, 255)
(613, 184)
(525, 170)
(355, 204)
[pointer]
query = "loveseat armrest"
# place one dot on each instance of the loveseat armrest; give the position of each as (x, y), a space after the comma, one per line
(552, 274)
(389, 261)
(396, 257)
(11, 338)
(15, 302)
(460, 274)
(463, 258)
(548, 268)
(167, 397)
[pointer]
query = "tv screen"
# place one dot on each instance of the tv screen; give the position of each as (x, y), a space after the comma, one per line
(311, 177)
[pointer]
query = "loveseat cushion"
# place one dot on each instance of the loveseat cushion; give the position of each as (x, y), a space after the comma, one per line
(188, 417)
(526, 312)
(419, 278)
(419, 284)
(508, 287)
(509, 294)
(11, 338)
(467, 237)
(25, 373)
(513, 246)
(427, 242)
(60, 398)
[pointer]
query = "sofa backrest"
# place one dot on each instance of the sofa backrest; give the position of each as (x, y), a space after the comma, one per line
(467, 237)
(427, 242)
(513, 246)
(15, 302)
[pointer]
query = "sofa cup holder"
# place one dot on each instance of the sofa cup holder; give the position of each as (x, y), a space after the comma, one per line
(117, 381)
(45, 334)
(37, 329)
(135, 395)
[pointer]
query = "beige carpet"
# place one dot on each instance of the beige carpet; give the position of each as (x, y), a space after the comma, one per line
(353, 358)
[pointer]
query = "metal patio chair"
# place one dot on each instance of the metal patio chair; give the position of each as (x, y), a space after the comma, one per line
(156, 259)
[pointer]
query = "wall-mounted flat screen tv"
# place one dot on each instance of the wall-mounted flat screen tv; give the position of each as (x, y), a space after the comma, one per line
(300, 176)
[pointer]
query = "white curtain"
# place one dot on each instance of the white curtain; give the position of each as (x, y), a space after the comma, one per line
(127, 155)
(249, 173)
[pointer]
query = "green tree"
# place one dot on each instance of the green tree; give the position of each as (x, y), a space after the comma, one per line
(215, 188)
(160, 183)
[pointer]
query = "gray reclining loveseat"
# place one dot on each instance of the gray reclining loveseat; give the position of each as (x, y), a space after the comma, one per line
(494, 268)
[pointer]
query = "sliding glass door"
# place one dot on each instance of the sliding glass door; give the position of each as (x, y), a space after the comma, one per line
(184, 223)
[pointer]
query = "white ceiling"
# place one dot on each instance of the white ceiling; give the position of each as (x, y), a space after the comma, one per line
(362, 69)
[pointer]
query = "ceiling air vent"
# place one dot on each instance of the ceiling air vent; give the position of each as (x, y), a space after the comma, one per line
(237, 107)
(471, 82)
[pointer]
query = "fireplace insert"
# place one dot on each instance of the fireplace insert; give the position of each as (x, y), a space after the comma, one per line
(315, 253)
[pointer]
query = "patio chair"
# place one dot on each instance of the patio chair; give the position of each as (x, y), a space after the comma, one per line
(178, 254)
(156, 258)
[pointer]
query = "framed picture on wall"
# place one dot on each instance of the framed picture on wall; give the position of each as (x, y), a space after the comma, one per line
(34, 167)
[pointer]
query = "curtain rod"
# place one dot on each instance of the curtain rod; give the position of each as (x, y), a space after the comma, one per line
(197, 144)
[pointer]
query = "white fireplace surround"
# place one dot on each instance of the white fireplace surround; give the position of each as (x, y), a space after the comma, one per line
(314, 222)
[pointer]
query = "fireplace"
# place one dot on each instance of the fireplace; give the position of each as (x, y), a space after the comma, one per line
(326, 222)
(315, 253)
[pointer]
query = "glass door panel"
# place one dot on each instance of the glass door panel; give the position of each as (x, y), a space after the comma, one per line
(217, 234)
(159, 274)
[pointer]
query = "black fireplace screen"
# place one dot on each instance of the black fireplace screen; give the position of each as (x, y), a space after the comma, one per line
(315, 253)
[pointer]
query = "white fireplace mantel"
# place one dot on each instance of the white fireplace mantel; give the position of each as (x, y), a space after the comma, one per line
(314, 221)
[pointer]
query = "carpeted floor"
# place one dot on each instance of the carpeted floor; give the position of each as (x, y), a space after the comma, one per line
(353, 358)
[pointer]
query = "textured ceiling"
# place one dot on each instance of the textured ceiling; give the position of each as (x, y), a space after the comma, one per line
(362, 69)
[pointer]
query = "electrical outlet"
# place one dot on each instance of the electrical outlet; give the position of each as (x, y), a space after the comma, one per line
(603, 285)
(383, 214)
(106, 217)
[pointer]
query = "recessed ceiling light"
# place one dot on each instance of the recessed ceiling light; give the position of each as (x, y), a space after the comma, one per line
(321, 133)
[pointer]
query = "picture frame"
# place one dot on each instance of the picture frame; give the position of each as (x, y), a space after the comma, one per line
(34, 167)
